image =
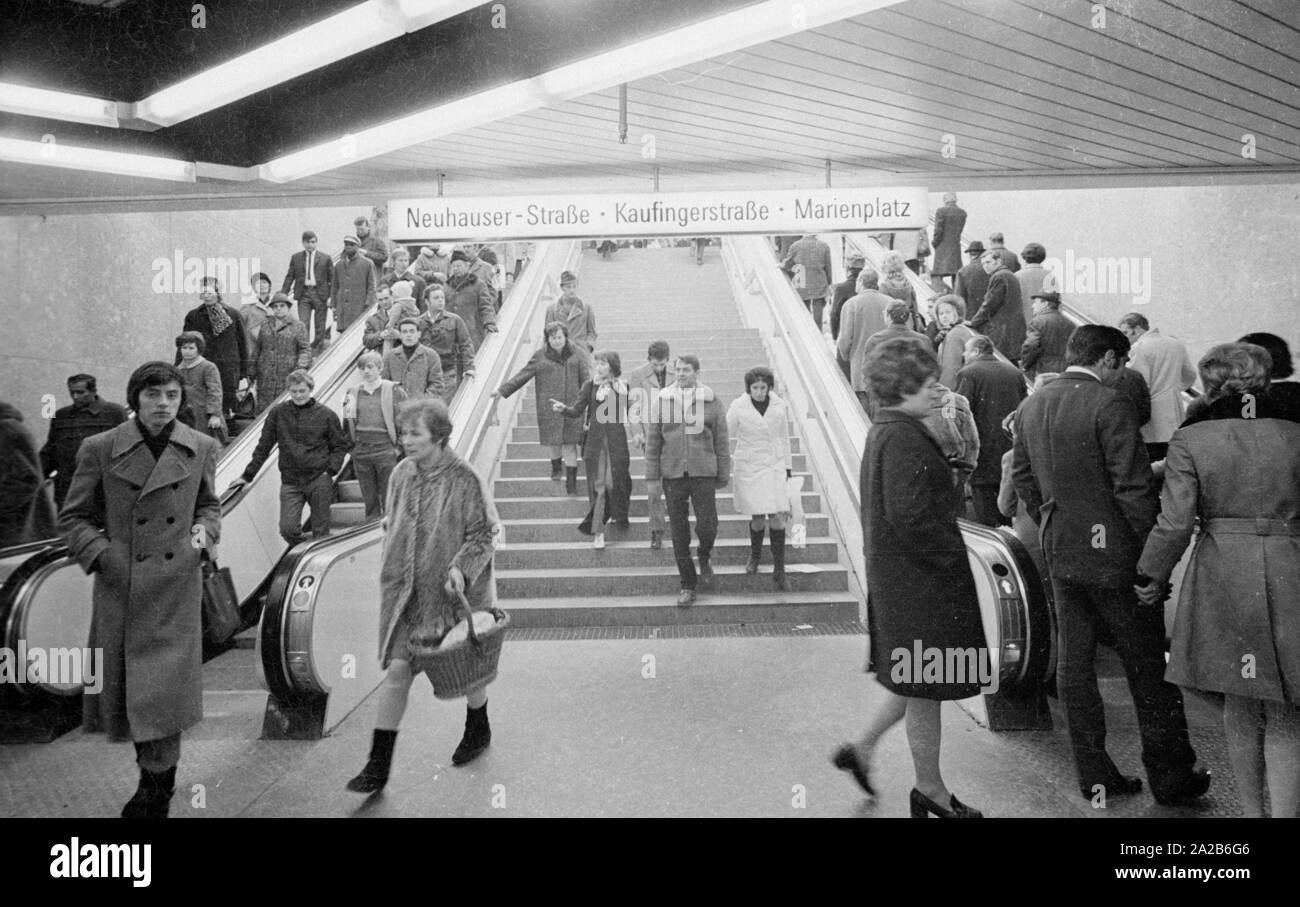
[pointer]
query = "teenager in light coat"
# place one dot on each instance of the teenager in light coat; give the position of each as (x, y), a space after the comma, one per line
(758, 422)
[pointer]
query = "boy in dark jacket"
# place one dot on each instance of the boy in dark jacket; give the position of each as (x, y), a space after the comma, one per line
(312, 448)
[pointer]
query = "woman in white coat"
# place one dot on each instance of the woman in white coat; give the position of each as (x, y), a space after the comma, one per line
(758, 423)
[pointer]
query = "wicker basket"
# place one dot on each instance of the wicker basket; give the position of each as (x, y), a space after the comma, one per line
(466, 666)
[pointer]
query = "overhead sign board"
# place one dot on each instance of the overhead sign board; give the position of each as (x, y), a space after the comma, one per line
(772, 211)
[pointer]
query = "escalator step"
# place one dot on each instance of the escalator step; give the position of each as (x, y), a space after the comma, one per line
(347, 514)
(349, 491)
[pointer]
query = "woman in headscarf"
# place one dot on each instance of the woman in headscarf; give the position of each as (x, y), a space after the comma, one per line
(438, 544)
(226, 341)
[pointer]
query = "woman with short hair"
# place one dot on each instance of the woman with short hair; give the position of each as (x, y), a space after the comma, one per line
(894, 282)
(1235, 468)
(758, 422)
(558, 370)
(202, 383)
(949, 333)
(602, 405)
(921, 592)
(438, 544)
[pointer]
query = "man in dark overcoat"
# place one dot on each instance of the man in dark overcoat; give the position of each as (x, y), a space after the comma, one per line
(1001, 317)
(141, 512)
(1083, 473)
(994, 389)
(949, 221)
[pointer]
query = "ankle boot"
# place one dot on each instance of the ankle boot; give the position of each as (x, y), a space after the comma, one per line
(557, 468)
(571, 479)
(778, 560)
(755, 550)
(153, 797)
(477, 736)
(375, 775)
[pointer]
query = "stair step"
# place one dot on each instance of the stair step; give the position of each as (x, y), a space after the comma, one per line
(562, 529)
(630, 549)
(661, 609)
(526, 467)
(657, 580)
(563, 506)
(525, 432)
(526, 451)
(349, 491)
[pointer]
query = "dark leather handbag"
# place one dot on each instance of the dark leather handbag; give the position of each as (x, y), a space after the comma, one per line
(220, 604)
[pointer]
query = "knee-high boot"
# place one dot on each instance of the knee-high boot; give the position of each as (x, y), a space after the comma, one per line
(778, 560)
(153, 796)
(755, 549)
(571, 479)
(375, 775)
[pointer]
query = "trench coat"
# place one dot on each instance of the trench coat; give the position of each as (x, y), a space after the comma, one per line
(949, 221)
(1240, 594)
(134, 515)
(435, 519)
(578, 318)
(761, 457)
(554, 375)
(605, 428)
(919, 580)
(279, 349)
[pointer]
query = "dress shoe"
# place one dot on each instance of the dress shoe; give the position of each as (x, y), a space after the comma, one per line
(706, 574)
(1118, 786)
(846, 759)
(599, 541)
(686, 598)
(923, 805)
(656, 540)
(1193, 785)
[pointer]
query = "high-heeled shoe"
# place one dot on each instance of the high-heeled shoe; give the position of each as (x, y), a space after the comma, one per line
(846, 759)
(923, 805)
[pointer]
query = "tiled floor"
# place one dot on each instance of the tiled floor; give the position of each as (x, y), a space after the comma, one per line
(708, 726)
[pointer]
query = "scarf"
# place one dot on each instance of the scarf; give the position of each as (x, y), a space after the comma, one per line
(217, 317)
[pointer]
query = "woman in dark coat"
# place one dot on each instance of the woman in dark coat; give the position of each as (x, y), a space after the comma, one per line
(1235, 468)
(922, 601)
(602, 405)
(141, 511)
(439, 525)
(560, 370)
(225, 338)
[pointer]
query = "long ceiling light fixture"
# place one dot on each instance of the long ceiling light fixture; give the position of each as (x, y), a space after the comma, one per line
(327, 41)
(746, 27)
(73, 157)
(57, 105)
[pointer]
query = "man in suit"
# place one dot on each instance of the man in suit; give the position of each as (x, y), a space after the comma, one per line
(972, 282)
(1001, 317)
(308, 280)
(1049, 331)
(994, 389)
(88, 415)
(645, 382)
(949, 221)
(862, 318)
(1084, 475)
(1168, 370)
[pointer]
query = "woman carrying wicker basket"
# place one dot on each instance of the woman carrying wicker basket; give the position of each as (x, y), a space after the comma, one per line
(438, 548)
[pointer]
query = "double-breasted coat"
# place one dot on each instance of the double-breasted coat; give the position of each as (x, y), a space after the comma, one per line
(554, 375)
(281, 347)
(761, 457)
(1240, 594)
(135, 514)
(919, 581)
(578, 317)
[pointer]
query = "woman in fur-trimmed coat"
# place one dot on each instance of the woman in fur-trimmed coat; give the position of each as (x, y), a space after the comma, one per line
(439, 524)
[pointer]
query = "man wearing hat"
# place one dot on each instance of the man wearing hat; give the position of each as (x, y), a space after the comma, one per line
(401, 270)
(972, 283)
(470, 298)
(372, 247)
(1044, 348)
(949, 221)
(352, 288)
(280, 348)
(310, 275)
(573, 313)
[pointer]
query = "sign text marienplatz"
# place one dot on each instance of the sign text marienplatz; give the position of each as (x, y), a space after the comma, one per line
(656, 214)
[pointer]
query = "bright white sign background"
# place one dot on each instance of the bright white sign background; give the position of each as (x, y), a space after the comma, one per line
(784, 211)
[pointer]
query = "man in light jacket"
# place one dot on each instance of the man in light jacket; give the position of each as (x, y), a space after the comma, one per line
(1168, 370)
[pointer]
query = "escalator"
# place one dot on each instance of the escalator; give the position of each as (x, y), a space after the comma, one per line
(318, 637)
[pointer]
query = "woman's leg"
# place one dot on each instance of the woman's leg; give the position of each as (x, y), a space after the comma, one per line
(393, 695)
(1243, 725)
(891, 711)
(600, 484)
(924, 734)
(569, 453)
(1282, 758)
(477, 699)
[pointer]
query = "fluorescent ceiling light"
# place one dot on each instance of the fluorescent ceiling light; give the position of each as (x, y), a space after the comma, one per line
(680, 47)
(72, 157)
(57, 105)
(324, 42)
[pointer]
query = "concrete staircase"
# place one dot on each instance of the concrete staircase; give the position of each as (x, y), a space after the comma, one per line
(548, 574)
